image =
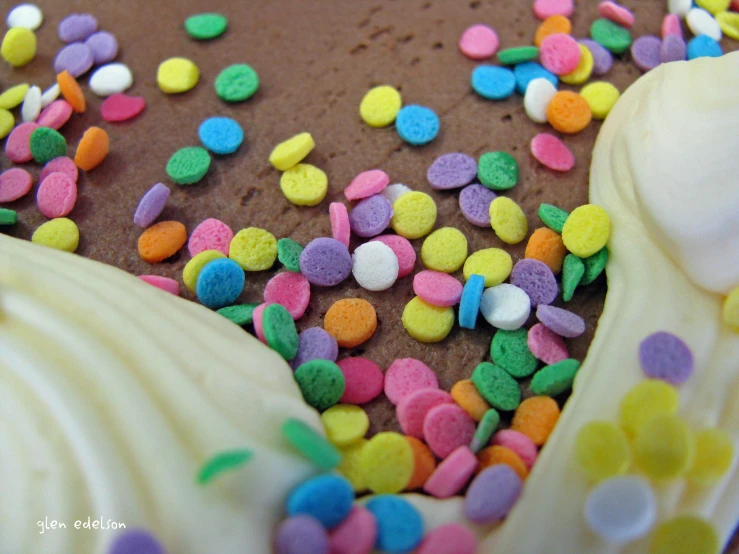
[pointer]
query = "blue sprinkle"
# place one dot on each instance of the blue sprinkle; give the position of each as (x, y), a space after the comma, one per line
(328, 498)
(221, 135)
(399, 524)
(493, 82)
(220, 283)
(527, 72)
(469, 305)
(704, 46)
(417, 125)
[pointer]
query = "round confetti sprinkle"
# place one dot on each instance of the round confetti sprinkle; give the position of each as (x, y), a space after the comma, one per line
(206, 26)
(60, 233)
(493, 82)
(665, 356)
(645, 52)
(188, 165)
(221, 135)
(321, 383)
(474, 203)
(451, 171)
(325, 262)
(685, 534)
(237, 83)
(479, 42)
(621, 509)
(417, 125)
(135, 541)
(498, 170)
(47, 144)
(177, 75)
(380, 106)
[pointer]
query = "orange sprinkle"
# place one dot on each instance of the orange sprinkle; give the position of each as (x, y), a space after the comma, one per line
(568, 112)
(71, 91)
(546, 246)
(425, 464)
(465, 394)
(351, 321)
(550, 26)
(536, 417)
(492, 455)
(162, 240)
(92, 149)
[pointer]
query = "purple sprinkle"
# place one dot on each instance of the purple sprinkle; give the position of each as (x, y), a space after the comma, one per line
(135, 541)
(492, 494)
(536, 279)
(673, 49)
(325, 262)
(563, 322)
(301, 535)
(151, 205)
(103, 45)
(451, 171)
(77, 26)
(602, 58)
(371, 216)
(75, 58)
(664, 356)
(474, 202)
(645, 51)
(315, 344)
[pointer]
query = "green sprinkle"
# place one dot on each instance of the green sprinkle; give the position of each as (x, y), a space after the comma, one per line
(8, 217)
(279, 331)
(573, 270)
(288, 252)
(553, 217)
(485, 429)
(240, 314)
(610, 35)
(188, 165)
(497, 170)
(517, 55)
(321, 382)
(555, 379)
(237, 83)
(594, 266)
(510, 350)
(47, 144)
(206, 26)
(220, 463)
(310, 444)
(497, 387)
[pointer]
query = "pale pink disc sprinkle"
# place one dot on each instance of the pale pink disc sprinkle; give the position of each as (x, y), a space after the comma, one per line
(290, 289)
(616, 13)
(55, 114)
(548, 8)
(519, 443)
(560, 53)
(165, 283)
(356, 534)
(62, 164)
(403, 251)
(340, 228)
(411, 411)
(366, 184)
(451, 538)
(437, 288)
(671, 26)
(211, 234)
(18, 144)
(14, 183)
(547, 345)
(552, 152)
(363, 380)
(406, 375)
(479, 42)
(57, 195)
(446, 428)
(257, 321)
(452, 474)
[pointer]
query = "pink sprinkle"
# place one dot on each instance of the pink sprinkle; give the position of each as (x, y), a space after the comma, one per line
(406, 375)
(452, 474)
(437, 288)
(552, 152)
(363, 380)
(446, 428)
(290, 289)
(165, 283)
(120, 107)
(62, 164)
(356, 534)
(560, 53)
(257, 321)
(548, 8)
(519, 443)
(452, 538)
(403, 251)
(616, 13)
(57, 195)
(479, 42)
(366, 184)
(411, 411)
(14, 183)
(671, 26)
(340, 228)
(547, 345)
(211, 234)
(55, 114)
(18, 144)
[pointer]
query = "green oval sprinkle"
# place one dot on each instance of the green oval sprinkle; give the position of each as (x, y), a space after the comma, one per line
(279, 331)
(206, 26)
(553, 217)
(8, 217)
(223, 462)
(594, 266)
(573, 270)
(610, 35)
(497, 387)
(555, 379)
(510, 350)
(321, 382)
(485, 429)
(310, 444)
(188, 165)
(497, 170)
(240, 314)
(518, 54)
(237, 83)
(288, 252)
(47, 144)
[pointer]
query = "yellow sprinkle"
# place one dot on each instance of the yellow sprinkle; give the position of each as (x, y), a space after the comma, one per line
(729, 23)
(601, 97)
(685, 534)
(602, 450)
(193, 268)
(714, 453)
(292, 151)
(444, 250)
(494, 264)
(731, 309)
(304, 185)
(508, 220)
(714, 6)
(7, 121)
(177, 75)
(13, 97)
(387, 463)
(664, 448)
(60, 233)
(646, 400)
(380, 106)
(415, 215)
(582, 71)
(253, 249)
(427, 323)
(586, 230)
(350, 465)
(19, 46)
(345, 424)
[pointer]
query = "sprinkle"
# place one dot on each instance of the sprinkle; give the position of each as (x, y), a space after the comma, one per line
(509, 350)
(645, 401)
(536, 279)
(223, 462)
(415, 405)
(76, 58)
(700, 22)
(557, 377)
(17, 146)
(206, 26)
(494, 455)
(27, 16)
(446, 427)
(314, 343)
(92, 149)
(729, 24)
(498, 170)
(444, 250)
(518, 54)
(46, 144)
(424, 464)
(601, 97)
(586, 230)
(77, 26)
(602, 450)
(351, 321)
(584, 69)
(393, 192)
(56, 195)
(497, 387)
(552, 152)
(221, 135)
(8, 217)
(665, 356)
(562, 322)
(237, 83)
(703, 46)
(685, 533)
(427, 323)
(12, 97)
(14, 184)
(55, 115)
(371, 216)
(485, 429)
(321, 383)
(451, 538)
(399, 523)
(635, 515)
(304, 185)
(292, 151)
(573, 270)
(60, 233)
(403, 251)
(71, 91)
(671, 26)
(679, 7)
(366, 184)
(560, 53)
(288, 253)
(417, 125)
(551, 25)
(451, 171)
(356, 535)
(374, 266)
(163, 283)
(345, 424)
(714, 454)
(31, 107)
(177, 75)
(673, 49)
(253, 249)
(18, 47)
(328, 498)
(610, 35)
(50, 94)
(310, 444)
(664, 447)
(539, 93)
(211, 234)
(160, 241)
(469, 305)
(568, 112)
(536, 418)
(301, 535)
(135, 541)
(387, 463)
(714, 6)
(188, 165)
(478, 42)
(240, 314)
(602, 57)
(519, 444)
(474, 203)
(548, 8)
(151, 205)
(616, 13)
(508, 220)
(325, 262)
(492, 494)
(380, 106)
(452, 474)
(104, 47)
(546, 246)
(493, 82)
(364, 379)
(220, 283)
(291, 290)
(351, 467)
(553, 217)
(437, 288)
(645, 52)
(549, 347)
(414, 215)
(505, 307)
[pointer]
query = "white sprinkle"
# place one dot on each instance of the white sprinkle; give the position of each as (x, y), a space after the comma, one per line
(621, 509)
(505, 306)
(701, 22)
(110, 79)
(393, 192)
(27, 16)
(538, 95)
(49, 95)
(31, 104)
(679, 7)
(375, 266)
